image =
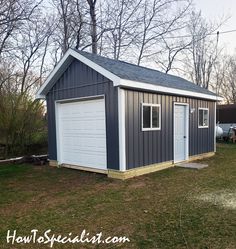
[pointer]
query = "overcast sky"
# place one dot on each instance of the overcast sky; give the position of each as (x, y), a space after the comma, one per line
(215, 9)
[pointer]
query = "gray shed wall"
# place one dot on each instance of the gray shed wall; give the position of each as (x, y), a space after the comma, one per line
(149, 147)
(79, 80)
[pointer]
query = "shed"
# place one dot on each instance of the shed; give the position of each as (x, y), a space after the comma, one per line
(124, 120)
(226, 118)
(226, 114)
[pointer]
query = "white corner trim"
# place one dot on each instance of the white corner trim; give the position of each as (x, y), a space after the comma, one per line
(56, 104)
(215, 129)
(78, 56)
(121, 117)
(157, 88)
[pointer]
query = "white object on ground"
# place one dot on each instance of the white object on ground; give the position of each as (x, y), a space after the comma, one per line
(219, 131)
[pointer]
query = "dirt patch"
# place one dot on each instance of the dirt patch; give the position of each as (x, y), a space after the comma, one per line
(137, 184)
(43, 200)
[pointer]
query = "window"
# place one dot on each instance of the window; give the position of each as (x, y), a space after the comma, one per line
(203, 118)
(151, 117)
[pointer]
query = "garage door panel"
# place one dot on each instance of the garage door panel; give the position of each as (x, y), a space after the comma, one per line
(86, 125)
(86, 160)
(83, 140)
(92, 148)
(83, 133)
(80, 133)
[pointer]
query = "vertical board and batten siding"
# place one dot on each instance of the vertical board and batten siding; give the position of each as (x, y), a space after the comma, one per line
(149, 147)
(78, 81)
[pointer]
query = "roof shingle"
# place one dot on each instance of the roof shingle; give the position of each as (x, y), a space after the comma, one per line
(137, 73)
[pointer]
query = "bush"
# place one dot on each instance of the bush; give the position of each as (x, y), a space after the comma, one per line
(22, 124)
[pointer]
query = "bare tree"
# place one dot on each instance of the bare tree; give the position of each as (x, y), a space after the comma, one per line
(117, 27)
(160, 18)
(231, 79)
(78, 24)
(24, 40)
(72, 26)
(13, 14)
(64, 7)
(204, 50)
(93, 25)
(32, 43)
(171, 50)
(225, 78)
(62, 36)
(120, 32)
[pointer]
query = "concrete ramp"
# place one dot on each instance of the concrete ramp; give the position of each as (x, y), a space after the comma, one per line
(191, 165)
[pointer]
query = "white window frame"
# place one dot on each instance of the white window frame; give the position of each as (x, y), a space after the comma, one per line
(207, 109)
(155, 128)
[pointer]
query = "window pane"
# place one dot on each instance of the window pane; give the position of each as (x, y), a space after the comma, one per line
(205, 118)
(200, 118)
(146, 116)
(155, 117)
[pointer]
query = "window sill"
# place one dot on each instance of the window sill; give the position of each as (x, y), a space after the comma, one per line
(202, 127)
(151, 129)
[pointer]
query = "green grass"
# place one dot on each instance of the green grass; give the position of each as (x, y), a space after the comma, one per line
(159, 210)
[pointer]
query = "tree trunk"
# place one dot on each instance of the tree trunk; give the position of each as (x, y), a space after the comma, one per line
(93, 18)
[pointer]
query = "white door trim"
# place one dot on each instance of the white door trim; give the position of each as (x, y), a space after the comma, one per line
(92, 97)
(186, 132)
(57, 123)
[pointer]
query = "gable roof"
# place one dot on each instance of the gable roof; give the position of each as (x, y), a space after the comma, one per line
(136, 73)
(127, 75)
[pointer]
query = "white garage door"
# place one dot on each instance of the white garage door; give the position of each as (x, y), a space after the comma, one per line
(82, 133)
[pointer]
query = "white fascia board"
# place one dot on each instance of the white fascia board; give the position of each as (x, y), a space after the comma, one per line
(95, 66)
(156, 88)
(78, 56)
(39, 94)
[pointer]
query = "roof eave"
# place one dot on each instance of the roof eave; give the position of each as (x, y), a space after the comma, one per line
(40, 96)
(117, 81)
(158, 88)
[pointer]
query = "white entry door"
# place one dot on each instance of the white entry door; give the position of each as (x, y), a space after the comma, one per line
(180, 132)
(81, 133)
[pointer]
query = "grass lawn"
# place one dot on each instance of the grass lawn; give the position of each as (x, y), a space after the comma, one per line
(174, 208)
